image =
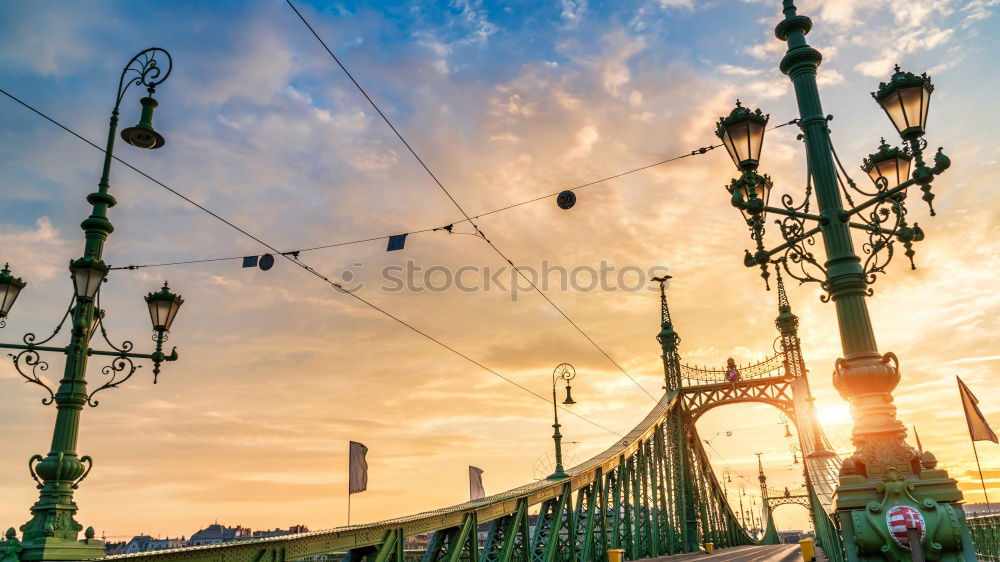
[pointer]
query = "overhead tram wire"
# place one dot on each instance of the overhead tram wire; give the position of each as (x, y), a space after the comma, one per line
(447, 227)
(293, 253)
(299, 263)
(695, 152)
(459, 207)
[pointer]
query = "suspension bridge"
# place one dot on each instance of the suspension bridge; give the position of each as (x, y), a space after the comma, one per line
(652, 493)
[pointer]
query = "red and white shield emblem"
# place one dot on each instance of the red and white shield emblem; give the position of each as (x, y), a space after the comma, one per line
(900, 519)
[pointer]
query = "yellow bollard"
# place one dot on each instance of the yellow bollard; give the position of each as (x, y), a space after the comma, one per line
(708, 547)
(808, 550)
(616, 555)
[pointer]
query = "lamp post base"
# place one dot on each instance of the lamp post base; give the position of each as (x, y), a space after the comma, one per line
(558, 475)
(54, 548)
(875, 516)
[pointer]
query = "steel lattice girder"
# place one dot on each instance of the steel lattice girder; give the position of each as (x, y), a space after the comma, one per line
(776, 391)
(652, 493)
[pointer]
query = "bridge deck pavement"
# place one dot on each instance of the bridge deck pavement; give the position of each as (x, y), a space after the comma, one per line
(774, 553)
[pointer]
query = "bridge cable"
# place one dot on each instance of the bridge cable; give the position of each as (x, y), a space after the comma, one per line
(296, 261)
(462, 210)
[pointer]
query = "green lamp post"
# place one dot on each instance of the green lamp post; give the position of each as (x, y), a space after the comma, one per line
(886, 486)
(562, 372)
(52, 533)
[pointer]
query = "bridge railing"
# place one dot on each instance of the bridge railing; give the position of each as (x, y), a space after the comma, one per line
(651, 493)
(985, 531)
(773, 366)
(796, 493)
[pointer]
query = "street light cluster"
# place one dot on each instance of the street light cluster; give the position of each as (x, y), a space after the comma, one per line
(52, 532)
(884, 474)
(905, 98)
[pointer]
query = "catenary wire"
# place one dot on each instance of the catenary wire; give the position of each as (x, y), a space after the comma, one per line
(695, 152)
(296, 261)
(462, 210)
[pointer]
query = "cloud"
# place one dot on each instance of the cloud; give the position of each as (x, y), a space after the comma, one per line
(738, 70)
(23, 45)
(977, 10)
(585, 139)
(37, 252)
(573, 11)
(613, 66)
(829, 77)
(689, 4)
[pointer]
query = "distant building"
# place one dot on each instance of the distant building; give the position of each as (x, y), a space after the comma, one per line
(164, 544)
(138, 543)
(293, 530)
(417, 542)
(146, 543)
(791, 537)
(113, 548)
(217, 534)
(980, 508)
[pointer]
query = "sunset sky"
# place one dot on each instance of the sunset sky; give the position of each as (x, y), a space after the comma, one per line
(504, 101)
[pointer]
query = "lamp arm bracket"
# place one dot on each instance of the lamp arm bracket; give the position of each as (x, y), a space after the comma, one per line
(797, 214)
(31, 340)
(121, 364)
(878, 198)
(120, 354)
(33, 347)
(126, 345)
(752, 260)
(871, 228)
(30, 358)
(143, 70)
(942, 163)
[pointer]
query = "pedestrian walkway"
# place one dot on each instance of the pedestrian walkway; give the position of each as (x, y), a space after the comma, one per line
(773, 553)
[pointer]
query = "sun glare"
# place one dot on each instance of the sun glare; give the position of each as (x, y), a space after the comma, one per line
(834, 414)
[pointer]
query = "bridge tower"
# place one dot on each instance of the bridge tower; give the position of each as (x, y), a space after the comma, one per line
(817, 458)
(770, 529)
(795, 368)
(678, 424)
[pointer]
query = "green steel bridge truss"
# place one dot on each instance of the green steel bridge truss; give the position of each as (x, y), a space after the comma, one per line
(642, 495)
(651, 493)
(986, 536)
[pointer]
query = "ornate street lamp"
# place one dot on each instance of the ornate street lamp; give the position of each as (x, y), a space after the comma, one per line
(887, 167)
(52, 532)
(884, 475)
(905, 99)
(87, 275)
(163, 306)
(742, 132)
(143, 135)
(562, 372)
(10, 287)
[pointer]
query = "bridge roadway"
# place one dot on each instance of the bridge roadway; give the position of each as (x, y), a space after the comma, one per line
(773, 553)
